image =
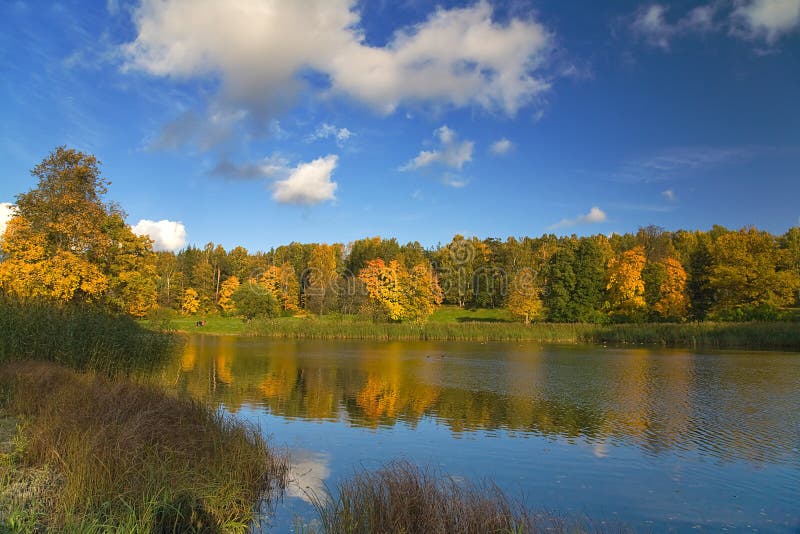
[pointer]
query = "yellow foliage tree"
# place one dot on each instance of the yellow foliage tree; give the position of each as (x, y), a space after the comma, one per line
(282, 283)
(190, 303)
(625, 284)
(404, 296)
(226, 291)
(65, 244)
(673, 302)
(523, 296)
(322, 273)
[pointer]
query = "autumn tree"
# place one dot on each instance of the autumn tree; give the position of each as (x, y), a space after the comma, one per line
(399, 294)
(672, 302)
(523, 297)
(625, 284)
(190, 303)
(226, 291)
(66, 244)
(319, 291)
(282, 282)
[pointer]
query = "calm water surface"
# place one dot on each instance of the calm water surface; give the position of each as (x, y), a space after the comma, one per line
(661, 440)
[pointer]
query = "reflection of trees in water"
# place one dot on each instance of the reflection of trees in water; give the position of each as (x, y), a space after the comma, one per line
(659, 403)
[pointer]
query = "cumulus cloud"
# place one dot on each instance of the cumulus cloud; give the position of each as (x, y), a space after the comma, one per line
(327, 131)
(451, 152)
(767, 19)
(595, 215)
(669, 195)
(260, 51)
(308, 183)
(6, 212)
(166, 235)
(501, 146)
(750, 19)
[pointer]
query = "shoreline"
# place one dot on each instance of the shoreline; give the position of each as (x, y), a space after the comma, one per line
(781, 336)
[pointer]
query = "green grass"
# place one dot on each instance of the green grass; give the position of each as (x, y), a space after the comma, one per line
(111, 454)
(450, 324)
(78, 336)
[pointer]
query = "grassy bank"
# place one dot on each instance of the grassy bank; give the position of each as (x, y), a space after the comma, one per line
(99, 454)
(80, 337)
(753, 335)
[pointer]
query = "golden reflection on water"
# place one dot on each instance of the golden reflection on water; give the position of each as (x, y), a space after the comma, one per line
(730, 406)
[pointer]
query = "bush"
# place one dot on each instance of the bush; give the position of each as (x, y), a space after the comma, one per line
(255, 302)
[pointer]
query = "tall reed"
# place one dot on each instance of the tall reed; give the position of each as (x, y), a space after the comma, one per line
(78, 336)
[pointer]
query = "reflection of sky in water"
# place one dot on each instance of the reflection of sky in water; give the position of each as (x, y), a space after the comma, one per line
(646, 437)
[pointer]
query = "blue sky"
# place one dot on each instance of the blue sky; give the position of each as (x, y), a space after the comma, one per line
(261, 122)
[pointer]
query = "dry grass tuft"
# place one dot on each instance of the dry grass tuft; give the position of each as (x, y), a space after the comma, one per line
(404, 498)
(132, 455)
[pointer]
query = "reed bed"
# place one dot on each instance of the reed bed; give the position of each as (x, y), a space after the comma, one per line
(403, 497)
(755, 335)
(78, 336)
(129, 457)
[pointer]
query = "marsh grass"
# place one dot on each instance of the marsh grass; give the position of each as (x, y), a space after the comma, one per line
(132, 458)
(754, 335)
(79, 336)
(403, 497)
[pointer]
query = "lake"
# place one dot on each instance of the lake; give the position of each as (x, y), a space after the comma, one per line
(657, 439)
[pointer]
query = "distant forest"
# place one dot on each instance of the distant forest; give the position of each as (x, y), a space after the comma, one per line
(67, 245)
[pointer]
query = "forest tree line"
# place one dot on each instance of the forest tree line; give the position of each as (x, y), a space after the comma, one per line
(65, 243)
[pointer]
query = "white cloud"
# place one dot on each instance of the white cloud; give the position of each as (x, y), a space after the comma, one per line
(501, 146)
(259, 51)
(308, 183)
(769, 19)
(651, 23)
(669, 195)
(451, 152)
(166, 235)
(749, 19)
(454, 180)
(595, 215)
(326, 131)
(6, 212)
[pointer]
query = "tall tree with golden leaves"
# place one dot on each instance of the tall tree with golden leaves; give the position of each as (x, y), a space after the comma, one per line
(226, 291)
(625, 284)
(673, 301)
(66, 244)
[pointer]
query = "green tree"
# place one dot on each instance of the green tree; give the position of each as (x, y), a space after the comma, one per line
(253, 301)
(749, 276)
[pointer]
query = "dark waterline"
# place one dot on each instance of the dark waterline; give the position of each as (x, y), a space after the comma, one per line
(663, 440)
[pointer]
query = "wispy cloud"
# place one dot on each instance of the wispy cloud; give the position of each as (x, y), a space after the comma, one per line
(501, 147)
(669, 195)
(450, 153)
(595, 215)
(274, 166)
(676, 162)
(328, 131)
(765, 20)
